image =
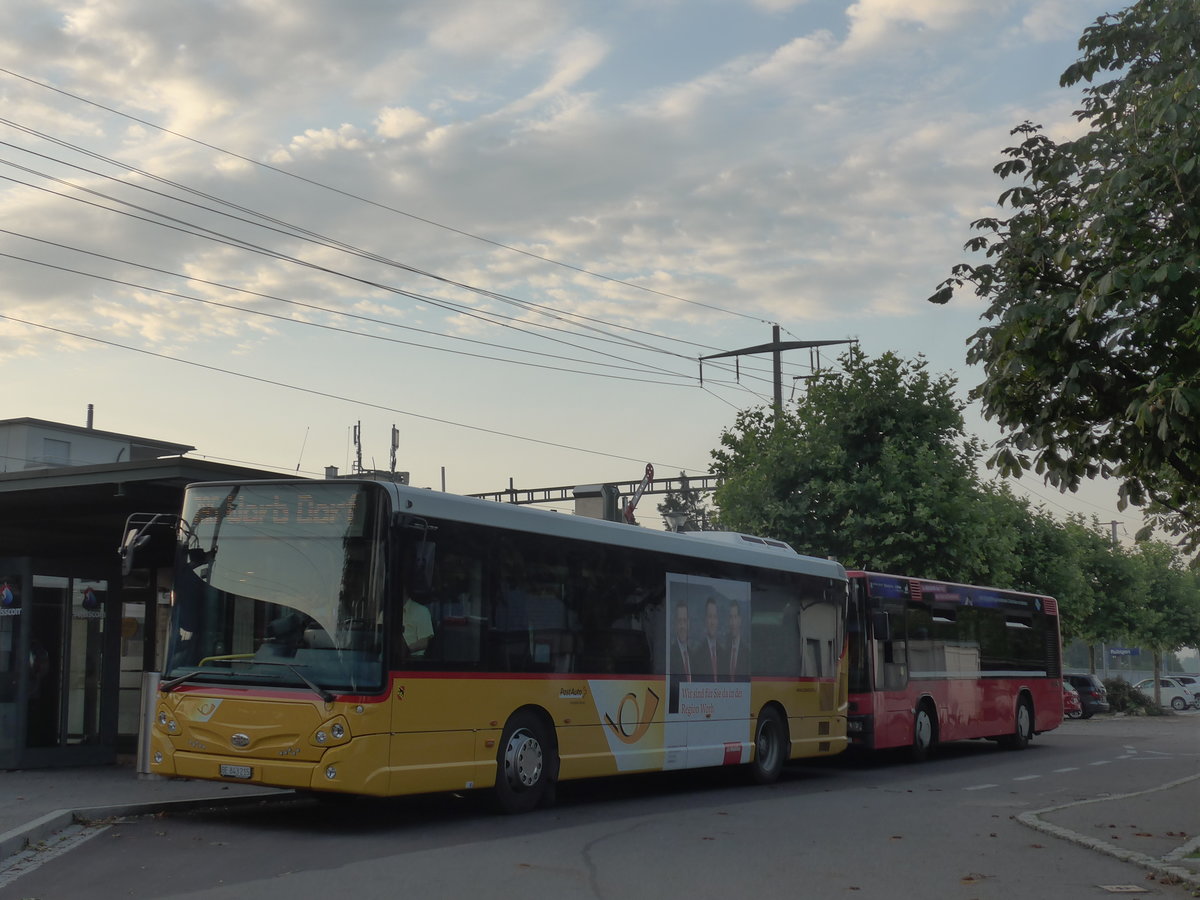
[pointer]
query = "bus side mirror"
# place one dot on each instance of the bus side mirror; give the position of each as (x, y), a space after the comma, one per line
(881, 625)
(150, 534)
(134, 540)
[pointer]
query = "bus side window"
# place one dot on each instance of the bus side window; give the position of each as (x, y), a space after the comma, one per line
(894, 662)
(455, 604)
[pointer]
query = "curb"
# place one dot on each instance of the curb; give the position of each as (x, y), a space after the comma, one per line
(1158, 865)
(20, 839)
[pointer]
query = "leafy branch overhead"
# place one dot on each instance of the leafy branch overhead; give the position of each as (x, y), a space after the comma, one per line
(1091, 339)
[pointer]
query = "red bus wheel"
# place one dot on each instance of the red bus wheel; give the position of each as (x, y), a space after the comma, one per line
(924, 733)
(1022, 732)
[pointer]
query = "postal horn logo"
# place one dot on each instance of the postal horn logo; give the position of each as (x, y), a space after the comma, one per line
(632, 723)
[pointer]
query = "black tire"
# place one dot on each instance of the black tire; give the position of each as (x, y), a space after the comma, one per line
(1178, 703)
(1022, 732)
(1087, 715)
(770, 747)
(924, 733)
(1075, 714)
(526, 765)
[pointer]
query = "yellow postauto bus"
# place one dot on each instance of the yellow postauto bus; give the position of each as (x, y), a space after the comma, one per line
(372, 638)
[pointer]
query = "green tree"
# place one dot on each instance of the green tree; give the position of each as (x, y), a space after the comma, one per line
(1050, 556)
(1172, 616)
(871, 466)
(1117, 583)
(688, 502)
(1091, 347)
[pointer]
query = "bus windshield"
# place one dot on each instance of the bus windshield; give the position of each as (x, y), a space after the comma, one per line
(279, 584)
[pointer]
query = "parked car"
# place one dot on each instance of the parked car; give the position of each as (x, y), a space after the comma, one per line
(1172, 692)
(1191, 682)
(1092, 695)
(1072, 707)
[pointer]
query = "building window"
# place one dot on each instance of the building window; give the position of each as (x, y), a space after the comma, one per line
(56, 453)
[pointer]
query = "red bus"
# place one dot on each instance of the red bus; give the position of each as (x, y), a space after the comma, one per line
(933, 661)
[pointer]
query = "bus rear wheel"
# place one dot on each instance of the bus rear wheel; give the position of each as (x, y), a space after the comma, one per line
(924, 731)
(770, 748)
(525, 765)
(1022, 732)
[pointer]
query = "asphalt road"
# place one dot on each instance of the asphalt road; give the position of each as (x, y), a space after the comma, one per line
(876, 828)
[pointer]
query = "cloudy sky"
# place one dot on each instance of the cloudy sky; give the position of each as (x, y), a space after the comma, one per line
(507, 228)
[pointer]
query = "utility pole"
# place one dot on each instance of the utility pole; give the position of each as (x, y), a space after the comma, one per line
(775, 348)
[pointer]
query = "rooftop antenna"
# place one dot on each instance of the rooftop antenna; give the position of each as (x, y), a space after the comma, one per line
(395, 447)
(358, 466)
(303, 444)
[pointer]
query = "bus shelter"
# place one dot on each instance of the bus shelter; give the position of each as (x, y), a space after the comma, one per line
(76, 635)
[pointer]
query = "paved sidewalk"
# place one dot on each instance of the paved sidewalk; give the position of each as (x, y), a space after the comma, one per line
(1142, 827)
(35, 803)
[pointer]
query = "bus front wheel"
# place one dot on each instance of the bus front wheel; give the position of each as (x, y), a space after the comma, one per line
(770, 748)
(526, 764)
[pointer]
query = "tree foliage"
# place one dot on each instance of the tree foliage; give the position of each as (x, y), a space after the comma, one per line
(871, 467)
(1172, 616)
(1091, 347)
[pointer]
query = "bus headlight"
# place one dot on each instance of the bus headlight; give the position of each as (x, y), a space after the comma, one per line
(331, 734)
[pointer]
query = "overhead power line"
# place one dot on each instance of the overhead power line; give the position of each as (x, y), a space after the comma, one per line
(281, 227)
(303, 234)
(362, 334)
(375, 203)
(331, 396)
(184, 227)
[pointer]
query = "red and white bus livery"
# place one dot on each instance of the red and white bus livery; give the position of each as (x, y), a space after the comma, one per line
(933, 661)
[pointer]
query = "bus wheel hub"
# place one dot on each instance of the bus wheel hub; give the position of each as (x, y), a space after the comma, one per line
(523, 760)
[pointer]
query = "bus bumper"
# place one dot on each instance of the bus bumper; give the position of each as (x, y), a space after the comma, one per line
(861, 731)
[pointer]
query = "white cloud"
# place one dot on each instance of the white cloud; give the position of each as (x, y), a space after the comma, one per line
(578, 57)
(319, 142)
(515, 29)
(874, 21)
(799, 55)
(1050, 20)
(400, 122)
(776, 6)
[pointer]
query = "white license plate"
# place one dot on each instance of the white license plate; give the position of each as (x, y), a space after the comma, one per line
(236, 771)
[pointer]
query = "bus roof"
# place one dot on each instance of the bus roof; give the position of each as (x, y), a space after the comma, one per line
(719, 546)
(938, 582)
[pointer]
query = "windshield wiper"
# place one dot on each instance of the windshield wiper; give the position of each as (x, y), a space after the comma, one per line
(172, 683)
(316, 688)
